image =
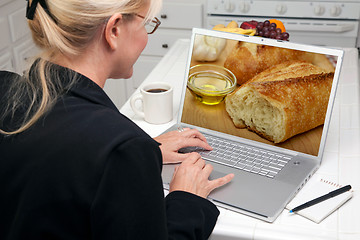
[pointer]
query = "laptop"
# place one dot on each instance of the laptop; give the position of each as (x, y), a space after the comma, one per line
(254, 191)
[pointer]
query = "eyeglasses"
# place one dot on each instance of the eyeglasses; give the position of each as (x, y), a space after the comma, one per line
(150, 25)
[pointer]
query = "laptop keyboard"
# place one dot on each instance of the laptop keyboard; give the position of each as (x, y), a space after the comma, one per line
(243, 157)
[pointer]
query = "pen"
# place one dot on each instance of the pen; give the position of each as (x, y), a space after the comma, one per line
(322, 198)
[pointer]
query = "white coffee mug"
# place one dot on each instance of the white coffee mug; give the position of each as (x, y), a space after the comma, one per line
(157, 102)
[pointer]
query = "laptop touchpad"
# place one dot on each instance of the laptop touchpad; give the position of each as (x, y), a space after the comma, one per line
(216, 174)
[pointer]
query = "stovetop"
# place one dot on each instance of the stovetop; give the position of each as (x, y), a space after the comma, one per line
(319, 9)
(314, 1)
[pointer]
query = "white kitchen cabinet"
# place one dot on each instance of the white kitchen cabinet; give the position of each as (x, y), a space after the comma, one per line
(18, 24)
(181, 14)
(5, 39)
(16, 45)
(116, 90)
(6, 61)
(144, 65)
(24, 55)
(3, 2)
(162, 40)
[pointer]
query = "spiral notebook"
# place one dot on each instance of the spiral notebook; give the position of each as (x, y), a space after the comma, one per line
(314, 189)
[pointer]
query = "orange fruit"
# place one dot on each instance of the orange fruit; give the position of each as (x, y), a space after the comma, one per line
(279, 24)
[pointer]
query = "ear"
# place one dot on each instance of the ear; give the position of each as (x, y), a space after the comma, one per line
(112, 30)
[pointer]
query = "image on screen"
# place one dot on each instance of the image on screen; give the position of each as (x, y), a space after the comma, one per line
(278, 96)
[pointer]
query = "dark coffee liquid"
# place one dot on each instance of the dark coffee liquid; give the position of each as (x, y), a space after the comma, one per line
(156, 90)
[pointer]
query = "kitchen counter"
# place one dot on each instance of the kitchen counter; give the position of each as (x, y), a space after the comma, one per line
(341, 161)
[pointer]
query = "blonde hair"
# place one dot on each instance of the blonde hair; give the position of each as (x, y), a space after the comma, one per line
(68, 30)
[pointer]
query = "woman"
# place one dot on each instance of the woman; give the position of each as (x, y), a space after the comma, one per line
(72, 166)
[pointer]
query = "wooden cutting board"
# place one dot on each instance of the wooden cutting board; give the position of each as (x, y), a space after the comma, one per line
(216, 118)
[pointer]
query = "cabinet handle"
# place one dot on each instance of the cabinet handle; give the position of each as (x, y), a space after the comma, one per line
(164, 16)
(165, 45)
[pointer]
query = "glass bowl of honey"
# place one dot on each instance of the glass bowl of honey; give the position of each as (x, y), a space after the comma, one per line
(210, 83)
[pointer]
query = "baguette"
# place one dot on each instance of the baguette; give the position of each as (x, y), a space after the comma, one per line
(249, 59)
(283, 101)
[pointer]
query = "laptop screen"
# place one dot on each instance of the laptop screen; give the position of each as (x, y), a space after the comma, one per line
(280, 95)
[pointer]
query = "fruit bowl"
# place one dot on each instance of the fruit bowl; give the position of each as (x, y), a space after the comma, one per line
(210, 84)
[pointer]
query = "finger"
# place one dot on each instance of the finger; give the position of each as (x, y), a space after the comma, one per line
(192, 158)
(200, 163)
(207, 170)
(177, 157)
(173, 161)
(181, 130)
(175, 172)
(176, 169)
(183, 156)
(195, 142)
(221, 181)
(195, 134)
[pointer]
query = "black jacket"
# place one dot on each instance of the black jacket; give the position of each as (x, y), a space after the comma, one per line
(85, 171)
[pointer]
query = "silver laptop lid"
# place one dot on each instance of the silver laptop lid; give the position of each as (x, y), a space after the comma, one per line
(215, 119)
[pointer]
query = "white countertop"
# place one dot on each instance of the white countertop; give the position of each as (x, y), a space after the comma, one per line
(341, 162)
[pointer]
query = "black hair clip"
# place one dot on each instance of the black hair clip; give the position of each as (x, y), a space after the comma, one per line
(31, 9)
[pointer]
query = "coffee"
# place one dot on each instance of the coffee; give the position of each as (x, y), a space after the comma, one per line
(156, 90)
(157, 102)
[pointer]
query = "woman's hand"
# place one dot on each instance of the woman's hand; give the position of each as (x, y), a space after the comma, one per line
(193, 176)
(172, 141)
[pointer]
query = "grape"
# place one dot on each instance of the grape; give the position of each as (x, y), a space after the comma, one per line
(272, 34)
(285, 36)
(260, 26)
(269, 30)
